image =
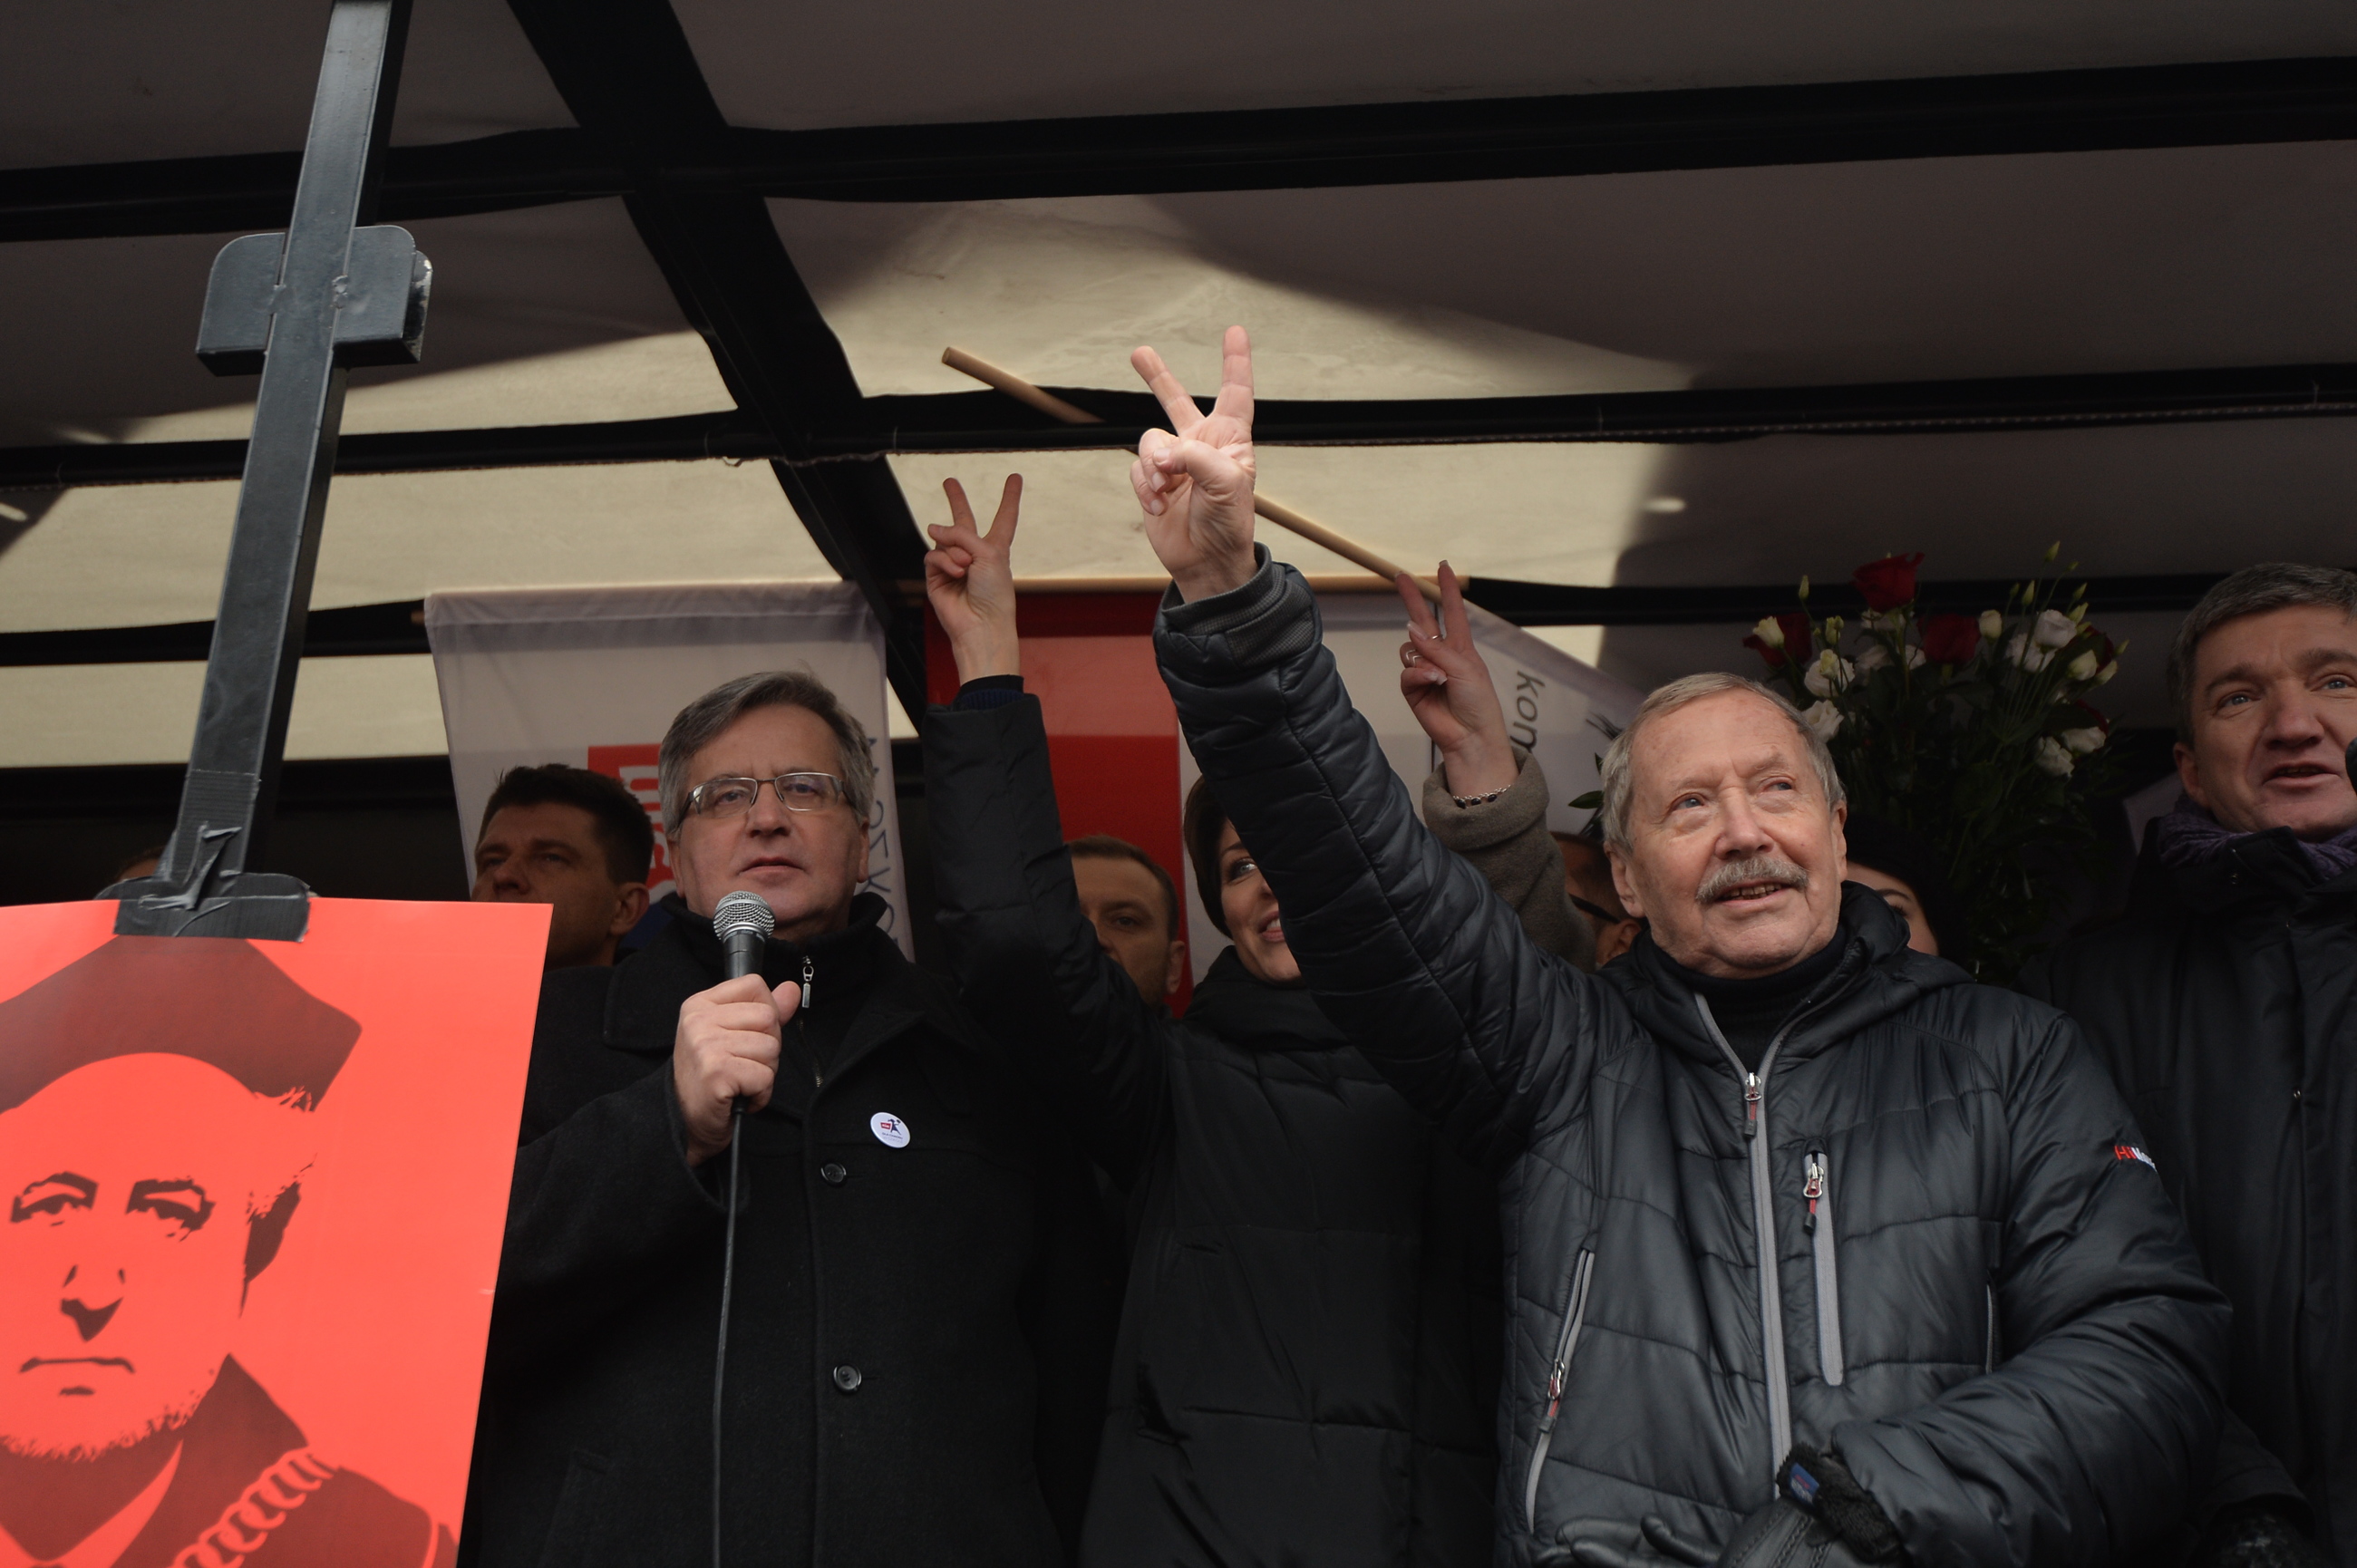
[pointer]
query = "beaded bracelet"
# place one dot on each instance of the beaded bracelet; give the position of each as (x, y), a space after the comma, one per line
(1466, 802)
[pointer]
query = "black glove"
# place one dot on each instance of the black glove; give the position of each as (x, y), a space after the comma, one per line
(1821, 1518)
(1822, 1487)
(2263, 1533)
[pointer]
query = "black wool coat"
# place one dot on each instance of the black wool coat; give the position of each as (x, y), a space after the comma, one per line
(1913, 1238)
(916, 1332)
(2225, 1004)
(1307, 1358)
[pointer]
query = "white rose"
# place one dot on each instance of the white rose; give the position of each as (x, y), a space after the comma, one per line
(2083, 741)
(1829, 674)
(1875, 657)
(2018, 649)
(2053, 757)
(1914, 657)
(1770, 630)
(2054, 630)
(2082, 668)
(1821, 720)
(1992, 626)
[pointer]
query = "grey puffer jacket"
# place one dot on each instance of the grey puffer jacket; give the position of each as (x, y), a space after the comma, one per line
(1995, 1318)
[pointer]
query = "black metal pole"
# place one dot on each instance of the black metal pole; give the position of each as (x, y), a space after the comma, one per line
(289, 301)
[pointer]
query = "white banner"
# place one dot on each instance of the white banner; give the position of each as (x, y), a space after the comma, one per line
(1563, 710)
(594, 676)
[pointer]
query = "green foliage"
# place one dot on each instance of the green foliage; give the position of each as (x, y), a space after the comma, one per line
(1989, 752)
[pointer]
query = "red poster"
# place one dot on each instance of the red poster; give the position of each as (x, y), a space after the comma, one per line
(254, 1196)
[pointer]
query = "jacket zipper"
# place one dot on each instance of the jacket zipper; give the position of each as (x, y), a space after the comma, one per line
(1763, 1226)
(1575, 1313)
(801, 1016)
(1818, 1190)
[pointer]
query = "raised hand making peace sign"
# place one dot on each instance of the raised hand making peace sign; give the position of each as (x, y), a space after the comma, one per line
(1195, 479)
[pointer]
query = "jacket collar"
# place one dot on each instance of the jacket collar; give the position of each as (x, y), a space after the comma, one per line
(1252, 1013)
(2246, 872)
(859, 967)
(1879, 975)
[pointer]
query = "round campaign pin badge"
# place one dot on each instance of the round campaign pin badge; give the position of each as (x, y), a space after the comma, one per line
(890, 1129)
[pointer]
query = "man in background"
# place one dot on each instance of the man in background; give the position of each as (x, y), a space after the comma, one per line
(1134, 905)
(1587, 879)
(576, 841)
(2225, 1004)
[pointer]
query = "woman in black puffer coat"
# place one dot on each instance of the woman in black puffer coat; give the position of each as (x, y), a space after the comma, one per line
(1307, 1365)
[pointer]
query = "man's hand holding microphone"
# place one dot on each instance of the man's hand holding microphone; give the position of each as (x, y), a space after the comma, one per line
(730, 1037)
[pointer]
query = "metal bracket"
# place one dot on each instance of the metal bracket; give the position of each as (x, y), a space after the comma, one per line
(380, 301)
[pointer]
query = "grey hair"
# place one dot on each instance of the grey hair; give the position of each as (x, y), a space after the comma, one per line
(2253, 590)
(1669, 699)
(702, 721)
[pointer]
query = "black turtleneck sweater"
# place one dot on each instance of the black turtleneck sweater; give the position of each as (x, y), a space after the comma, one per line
(1749, 1012)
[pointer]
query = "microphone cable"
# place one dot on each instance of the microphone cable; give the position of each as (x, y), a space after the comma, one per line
(743, 922)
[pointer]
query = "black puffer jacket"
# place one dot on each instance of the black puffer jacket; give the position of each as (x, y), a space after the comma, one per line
(1997, 1320)
(1307, 1364)
(2225, 1004)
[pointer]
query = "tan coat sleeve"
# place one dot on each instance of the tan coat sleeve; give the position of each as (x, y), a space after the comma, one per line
(1506, 840)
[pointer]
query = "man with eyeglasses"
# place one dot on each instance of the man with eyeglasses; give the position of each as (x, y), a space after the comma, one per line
(914, 1358)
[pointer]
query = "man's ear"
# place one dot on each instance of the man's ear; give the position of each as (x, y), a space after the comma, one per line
(1623, 884)
(629, 908)
(1841, 840)
(2188, 774)
(1178, 967)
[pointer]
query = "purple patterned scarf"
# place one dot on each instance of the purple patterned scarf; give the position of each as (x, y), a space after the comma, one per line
(2190, 834)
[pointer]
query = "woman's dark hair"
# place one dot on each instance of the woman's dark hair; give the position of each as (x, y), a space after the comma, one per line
(1894, 852)
(1200, 826)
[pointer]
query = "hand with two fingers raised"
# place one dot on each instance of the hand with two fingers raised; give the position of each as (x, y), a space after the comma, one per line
(726, 1048)
(1447, 687)
(1195, 479)
(970, 581)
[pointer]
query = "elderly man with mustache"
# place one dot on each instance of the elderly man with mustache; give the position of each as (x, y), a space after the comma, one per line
(1818, 1252)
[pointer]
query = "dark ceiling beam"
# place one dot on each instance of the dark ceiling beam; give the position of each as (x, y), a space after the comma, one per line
(986, 422)
(2232, 103)
(399, 627)
(625, 69)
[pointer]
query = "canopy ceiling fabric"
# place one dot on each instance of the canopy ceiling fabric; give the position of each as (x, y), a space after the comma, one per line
(1809, 274)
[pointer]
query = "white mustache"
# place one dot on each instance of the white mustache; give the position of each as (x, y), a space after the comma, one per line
(1760, 868)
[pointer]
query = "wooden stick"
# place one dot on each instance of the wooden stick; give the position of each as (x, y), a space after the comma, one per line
(1016, 387)
(1276, 511)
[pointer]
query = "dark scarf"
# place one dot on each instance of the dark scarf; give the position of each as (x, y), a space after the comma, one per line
(1247, 1012)
(1747, 1011)
(2189, 835)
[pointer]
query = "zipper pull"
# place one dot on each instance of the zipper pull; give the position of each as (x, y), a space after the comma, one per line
(801, 1016)
(1814, 1189)
(1752, 1092)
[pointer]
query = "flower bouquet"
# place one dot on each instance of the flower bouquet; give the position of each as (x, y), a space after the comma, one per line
(1972, 732)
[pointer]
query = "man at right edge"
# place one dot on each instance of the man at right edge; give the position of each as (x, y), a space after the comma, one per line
(1819, 1253)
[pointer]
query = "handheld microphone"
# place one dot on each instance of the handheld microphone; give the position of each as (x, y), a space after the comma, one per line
(743, 922)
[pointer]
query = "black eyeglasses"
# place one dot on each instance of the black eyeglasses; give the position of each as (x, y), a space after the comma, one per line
(1594, 911)
(721, 797)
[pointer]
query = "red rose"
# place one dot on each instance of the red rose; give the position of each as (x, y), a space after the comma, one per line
(1889, 582)
(1951, 639)
(1798, 633)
